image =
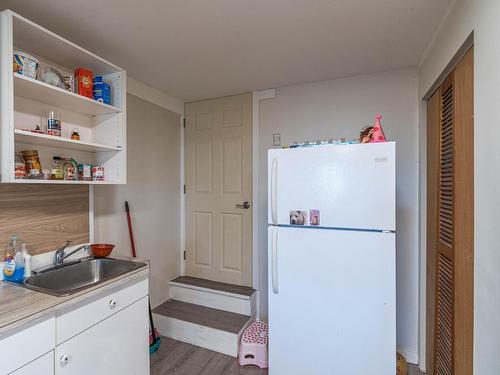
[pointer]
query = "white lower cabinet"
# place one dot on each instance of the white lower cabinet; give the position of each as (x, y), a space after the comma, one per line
(116, 345)
(24, 346)
(40, 366)
(107, 335)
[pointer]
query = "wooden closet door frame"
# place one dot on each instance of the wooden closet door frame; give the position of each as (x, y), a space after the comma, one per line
(464, 215)
(462, 78)
(433, 121)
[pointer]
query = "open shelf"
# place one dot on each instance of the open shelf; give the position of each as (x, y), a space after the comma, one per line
(24, 136)
(62, 182)
(25, 103)
(41, 42)
(43, 92)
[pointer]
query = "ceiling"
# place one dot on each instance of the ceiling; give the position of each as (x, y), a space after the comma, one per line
(196, 49)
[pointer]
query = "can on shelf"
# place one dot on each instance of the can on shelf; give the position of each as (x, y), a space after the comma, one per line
(98, 173)
(85, 172)
(19, 167)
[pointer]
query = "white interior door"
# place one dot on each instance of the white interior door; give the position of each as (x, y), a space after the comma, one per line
(218, 183)
(332, 302)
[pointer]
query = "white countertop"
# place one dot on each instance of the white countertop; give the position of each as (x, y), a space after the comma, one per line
(20, 306)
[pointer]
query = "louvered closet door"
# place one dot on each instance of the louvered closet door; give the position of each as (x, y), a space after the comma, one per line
(450, 228)
(445, 252)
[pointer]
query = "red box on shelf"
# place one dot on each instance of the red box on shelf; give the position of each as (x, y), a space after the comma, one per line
(83, 78)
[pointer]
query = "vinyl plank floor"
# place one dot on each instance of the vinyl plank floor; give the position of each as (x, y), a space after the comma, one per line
(179, 358)
(413, 370)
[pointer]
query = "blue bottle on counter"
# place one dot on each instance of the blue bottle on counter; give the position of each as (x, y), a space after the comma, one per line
(13, 268)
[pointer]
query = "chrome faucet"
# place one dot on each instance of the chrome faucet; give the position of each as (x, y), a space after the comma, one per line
(59, 256)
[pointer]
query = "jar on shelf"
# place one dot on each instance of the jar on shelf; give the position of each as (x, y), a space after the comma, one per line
(70, 169)
(54, 124)
(75, 134)
(57, 168)
(32, 164)
(19, 167)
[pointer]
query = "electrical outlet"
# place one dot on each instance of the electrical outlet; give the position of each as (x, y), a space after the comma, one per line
(277, 139)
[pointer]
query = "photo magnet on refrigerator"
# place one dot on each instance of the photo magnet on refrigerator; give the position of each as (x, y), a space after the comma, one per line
(314, 217)
(298, 217)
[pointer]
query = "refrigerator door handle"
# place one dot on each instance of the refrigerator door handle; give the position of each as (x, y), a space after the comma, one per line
(274, 260)
(274, 191)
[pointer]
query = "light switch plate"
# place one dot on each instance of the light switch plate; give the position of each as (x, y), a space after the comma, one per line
(276, 139)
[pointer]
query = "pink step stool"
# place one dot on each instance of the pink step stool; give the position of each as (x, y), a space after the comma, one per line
(253, 348)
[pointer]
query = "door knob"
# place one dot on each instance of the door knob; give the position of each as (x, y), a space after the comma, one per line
(243, 206)
(64, 360)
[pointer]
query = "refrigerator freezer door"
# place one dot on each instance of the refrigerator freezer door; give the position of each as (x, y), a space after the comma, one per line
(352, 186)
(332, 309)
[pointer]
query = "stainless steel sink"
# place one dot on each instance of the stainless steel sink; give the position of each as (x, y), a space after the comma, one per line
(73, 277)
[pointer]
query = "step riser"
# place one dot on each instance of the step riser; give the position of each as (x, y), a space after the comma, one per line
(205, 337)
(214, 300)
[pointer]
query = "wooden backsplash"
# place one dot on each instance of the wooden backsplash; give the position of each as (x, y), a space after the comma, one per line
(44, 216)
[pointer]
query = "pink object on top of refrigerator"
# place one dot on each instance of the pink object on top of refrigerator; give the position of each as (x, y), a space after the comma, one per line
(332, 263)
(378, 133)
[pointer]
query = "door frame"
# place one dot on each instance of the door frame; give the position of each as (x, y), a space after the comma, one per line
(257, 258)
(422, 150)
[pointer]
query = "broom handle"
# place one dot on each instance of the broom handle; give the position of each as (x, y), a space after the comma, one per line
(130, 232)
(151, 323)
(132, 242)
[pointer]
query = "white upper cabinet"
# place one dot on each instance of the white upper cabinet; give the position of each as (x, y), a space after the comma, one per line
(25, 103)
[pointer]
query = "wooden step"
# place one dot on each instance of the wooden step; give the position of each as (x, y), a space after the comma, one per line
(222, 296)
(214, 285)
(202, 326)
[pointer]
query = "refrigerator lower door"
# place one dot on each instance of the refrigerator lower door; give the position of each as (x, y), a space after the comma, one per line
(332, 302)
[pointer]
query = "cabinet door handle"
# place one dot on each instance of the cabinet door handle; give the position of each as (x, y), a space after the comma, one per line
(112, 304)
(274, 261)
(64, 360)
(274, 192)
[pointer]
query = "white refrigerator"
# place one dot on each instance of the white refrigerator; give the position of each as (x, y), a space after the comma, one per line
(332, 261)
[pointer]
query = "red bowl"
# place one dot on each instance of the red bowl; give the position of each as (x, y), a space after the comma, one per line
(101, 250)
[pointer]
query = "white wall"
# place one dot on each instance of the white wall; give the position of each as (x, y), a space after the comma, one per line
(154, 96)
(482, 17)
(153, 191)
(340, 108)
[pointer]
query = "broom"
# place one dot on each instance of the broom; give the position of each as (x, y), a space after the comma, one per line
(154, 339)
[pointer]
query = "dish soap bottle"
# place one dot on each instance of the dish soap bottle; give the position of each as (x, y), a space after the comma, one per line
(13, 268)
(27, 260)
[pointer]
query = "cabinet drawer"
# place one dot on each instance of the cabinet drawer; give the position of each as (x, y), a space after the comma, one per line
(84, 316)
(23, 347)
(40, 366)
(116, 346)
